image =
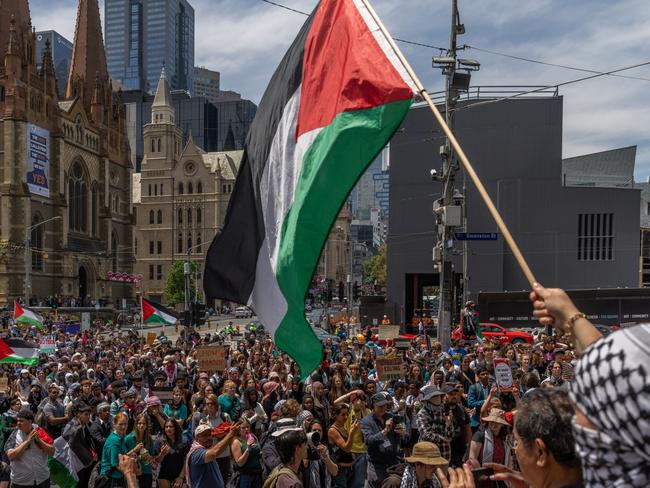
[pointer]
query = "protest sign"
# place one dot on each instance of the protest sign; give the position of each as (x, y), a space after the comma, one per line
(401, 343)
(47, 345)
(151, 337)
(164, 393)
(211, 358)
(503, 374)
(388, 331)
(389, 369)
(4, 384)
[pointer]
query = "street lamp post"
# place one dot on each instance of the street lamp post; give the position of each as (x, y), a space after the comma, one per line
(188, 288)
(28, 235)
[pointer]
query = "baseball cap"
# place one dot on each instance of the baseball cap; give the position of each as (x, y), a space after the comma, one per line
(379, 399)
(430, 391)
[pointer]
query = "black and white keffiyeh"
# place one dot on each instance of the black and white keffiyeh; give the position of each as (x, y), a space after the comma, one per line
(611, 387)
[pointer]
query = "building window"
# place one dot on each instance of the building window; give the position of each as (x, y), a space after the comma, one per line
(159, 145)
(155, 190)
(159, 272)
(161, 189)
(150, 247)
(151, 214)
(149, 190)
(180, 215)
(596, 237)
(159, 247)
(36, 243)
(151, 271)
(179, 244)
(153, 145)
(189, 216)
(114, 248)
(647, 210)
(189, 244)
(189, 187)
(160, 216)
(78, 199)
(180, 187)
(93, 213)
(198, 215)
(199, 187)
(199, 242)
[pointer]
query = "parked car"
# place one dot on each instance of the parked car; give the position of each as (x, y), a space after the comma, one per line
(243, 313)
(504, 336)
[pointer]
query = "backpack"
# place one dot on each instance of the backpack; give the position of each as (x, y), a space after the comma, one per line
(271, 481)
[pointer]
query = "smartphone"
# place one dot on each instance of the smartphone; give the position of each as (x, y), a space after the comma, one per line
(482, 478)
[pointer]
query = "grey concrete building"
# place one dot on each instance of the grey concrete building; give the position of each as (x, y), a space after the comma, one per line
(142, 35)
(206, 83)
(573, 237)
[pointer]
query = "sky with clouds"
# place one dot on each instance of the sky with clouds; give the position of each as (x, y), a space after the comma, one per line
(245, 40)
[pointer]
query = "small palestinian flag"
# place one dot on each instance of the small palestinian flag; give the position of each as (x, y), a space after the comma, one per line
(155, 313)
(23, 315)
(18, 351)
(336, 99)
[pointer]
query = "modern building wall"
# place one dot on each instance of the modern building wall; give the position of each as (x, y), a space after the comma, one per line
(220, 127)
(61, 56)
(142, 35)
(516, 149)
(206, 83)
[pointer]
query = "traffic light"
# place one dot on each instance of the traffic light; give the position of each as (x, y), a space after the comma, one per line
(198, 314)
(355, 291)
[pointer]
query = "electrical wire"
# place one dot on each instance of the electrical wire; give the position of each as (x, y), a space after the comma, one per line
(285, 7)
(545, 63)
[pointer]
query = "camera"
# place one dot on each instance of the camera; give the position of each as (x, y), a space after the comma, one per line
(313, 439)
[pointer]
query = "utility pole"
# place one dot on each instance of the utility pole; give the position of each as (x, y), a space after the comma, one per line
(448, 209)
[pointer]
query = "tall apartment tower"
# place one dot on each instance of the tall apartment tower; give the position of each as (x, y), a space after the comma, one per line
(143, 35)
(206, 83)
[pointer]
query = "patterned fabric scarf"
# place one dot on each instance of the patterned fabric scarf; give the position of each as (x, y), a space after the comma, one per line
(409, 480)
(195, 446)
(612, 388)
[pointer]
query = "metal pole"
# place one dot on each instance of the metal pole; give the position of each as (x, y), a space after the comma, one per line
(27, 264)
(449, 172)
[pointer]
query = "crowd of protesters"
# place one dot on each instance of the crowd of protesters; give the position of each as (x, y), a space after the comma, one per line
(577, 413)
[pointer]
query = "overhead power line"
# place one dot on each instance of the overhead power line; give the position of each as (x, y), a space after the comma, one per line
(488, 51)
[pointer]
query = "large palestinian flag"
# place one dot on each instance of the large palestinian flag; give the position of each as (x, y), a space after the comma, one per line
(18, 351)
(155, 313)
(24, 315)
(337, 97)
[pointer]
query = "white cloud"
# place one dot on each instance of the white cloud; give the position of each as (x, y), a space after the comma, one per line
(245, 40)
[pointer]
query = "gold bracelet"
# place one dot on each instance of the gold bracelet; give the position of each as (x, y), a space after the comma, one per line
(573, 319)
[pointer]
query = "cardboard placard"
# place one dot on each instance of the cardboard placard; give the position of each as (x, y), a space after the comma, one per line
(401, 343)
(151, 337)
(388, 331)
(164, 393)
(211, 358)
(389, 369)
(4, 384)
(503, 374)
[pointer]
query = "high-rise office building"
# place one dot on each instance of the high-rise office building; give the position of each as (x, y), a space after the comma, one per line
(61, 55)
(142, 35)
(206, 83)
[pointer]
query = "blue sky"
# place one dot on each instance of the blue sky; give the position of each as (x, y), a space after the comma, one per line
(245, 40)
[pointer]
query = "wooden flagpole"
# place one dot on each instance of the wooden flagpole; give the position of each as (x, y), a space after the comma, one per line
(459, 151)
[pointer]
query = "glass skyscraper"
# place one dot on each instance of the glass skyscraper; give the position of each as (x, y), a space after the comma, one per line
(141, 35)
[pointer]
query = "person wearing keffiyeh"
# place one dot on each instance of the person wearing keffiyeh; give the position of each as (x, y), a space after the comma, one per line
(201, 468)
(610, 392)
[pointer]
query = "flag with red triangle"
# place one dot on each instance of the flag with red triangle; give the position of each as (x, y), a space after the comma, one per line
(155, 313)
(335, 100)
(26, 316)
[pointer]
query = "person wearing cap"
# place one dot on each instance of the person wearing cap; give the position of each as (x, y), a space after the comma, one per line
(101, 426)
(462, 435)
(54, 413)
(383, 439)
(491, 444)
(434, 423)
(201, 467)
(419, 470)
(28, 448)
(213, 416)
(270, 454)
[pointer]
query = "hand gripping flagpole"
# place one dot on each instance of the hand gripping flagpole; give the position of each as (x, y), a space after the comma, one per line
(459, 151)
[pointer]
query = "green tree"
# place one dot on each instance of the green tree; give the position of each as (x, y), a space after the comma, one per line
(375, 267)
(175, 284)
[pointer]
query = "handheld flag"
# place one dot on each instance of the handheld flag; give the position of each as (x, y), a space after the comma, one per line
(18, 351)
(26, 316)
(334, 101)
(155, 313)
